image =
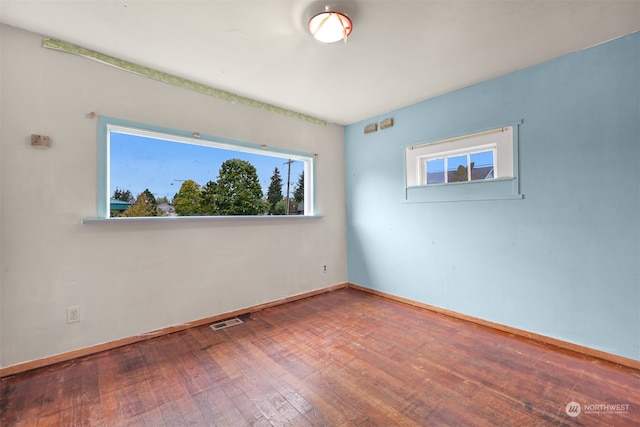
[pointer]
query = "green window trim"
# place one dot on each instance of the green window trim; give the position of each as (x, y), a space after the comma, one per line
(173, 80)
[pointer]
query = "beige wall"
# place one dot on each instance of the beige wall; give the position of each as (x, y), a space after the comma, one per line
(131, 278)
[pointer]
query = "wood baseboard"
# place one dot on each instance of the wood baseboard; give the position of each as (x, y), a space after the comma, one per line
(631, 363)
(74, 354)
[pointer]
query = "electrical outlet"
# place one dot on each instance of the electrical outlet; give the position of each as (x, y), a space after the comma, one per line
(324, 268)
(73, 314)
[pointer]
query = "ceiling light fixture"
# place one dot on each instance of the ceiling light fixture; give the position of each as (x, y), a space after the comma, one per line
(330, 26)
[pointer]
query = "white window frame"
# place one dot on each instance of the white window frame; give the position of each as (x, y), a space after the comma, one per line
(106, 125)
(502, 140)
(455, 153)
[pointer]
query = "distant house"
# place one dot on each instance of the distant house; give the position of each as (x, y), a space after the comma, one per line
(167, 209)
(477, 174)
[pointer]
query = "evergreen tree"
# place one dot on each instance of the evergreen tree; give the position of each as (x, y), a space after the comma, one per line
(208, 199)
(298, 193)
(187, 200)
(123, 195)
(274, 193)
(238, 191)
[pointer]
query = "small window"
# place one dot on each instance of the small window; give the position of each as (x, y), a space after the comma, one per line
(482, 165)
(473, 166)
(435, 171)
(149, 172)
(443, 170)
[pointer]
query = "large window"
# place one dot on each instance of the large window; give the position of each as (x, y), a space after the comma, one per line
(445, 169)
(150, 172)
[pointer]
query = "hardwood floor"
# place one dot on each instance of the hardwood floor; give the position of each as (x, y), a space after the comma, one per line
(340, 358)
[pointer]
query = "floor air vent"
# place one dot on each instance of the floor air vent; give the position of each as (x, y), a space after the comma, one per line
(226, 324)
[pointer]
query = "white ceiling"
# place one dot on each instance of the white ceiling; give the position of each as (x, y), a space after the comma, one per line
(400, 52)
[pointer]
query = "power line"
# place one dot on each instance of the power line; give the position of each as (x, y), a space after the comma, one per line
(288, 163)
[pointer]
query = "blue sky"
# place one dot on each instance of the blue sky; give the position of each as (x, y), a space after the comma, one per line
(138, 162)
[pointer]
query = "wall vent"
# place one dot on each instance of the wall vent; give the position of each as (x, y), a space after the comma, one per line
(226, 324)
(373, 127)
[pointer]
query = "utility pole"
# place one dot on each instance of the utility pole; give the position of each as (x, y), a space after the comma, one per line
(288, 163)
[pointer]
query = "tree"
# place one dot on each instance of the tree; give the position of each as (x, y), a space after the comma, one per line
(123, 195)
(238, 189)
(279, 207)
(187, 200)
(144, 206)
(459, 175)
(274, 193)
(298, 193)
(208, 199)
(151, 200)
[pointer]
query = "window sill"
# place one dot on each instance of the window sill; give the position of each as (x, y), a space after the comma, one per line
(496, 189)
(160, 219)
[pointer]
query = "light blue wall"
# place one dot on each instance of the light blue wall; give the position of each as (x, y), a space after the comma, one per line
(564, 260)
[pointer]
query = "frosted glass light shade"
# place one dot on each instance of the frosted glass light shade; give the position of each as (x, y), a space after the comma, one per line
(329, 27)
